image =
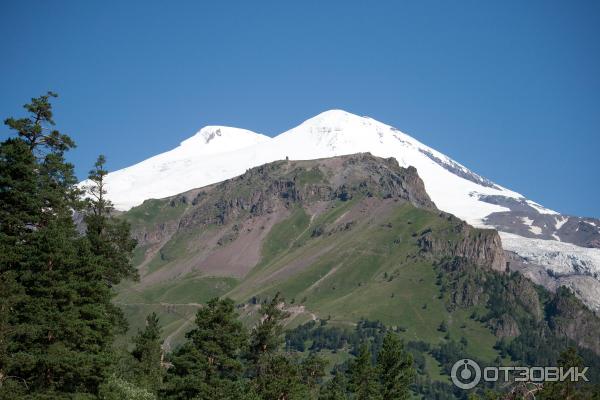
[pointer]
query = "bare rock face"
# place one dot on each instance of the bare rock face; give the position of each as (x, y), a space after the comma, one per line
(265, 189)
(575, 322)
(481, 246)
(505, 326)
(522, 289)
(156, 234)
(526, 221)
(585, 287)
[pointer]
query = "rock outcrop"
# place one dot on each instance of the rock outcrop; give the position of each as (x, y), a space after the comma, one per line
(480, 246)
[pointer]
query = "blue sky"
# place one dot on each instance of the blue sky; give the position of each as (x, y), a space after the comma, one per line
(509, 88)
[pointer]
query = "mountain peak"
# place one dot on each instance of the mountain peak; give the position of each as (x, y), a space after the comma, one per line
(218, 134)
(335, 117)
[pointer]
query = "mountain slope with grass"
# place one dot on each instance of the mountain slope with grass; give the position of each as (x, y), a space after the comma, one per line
(553, 249)
(343, 239)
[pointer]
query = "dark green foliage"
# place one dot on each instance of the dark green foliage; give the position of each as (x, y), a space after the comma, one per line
(210, 364)
(276, 376)
(313, 370)
(335, 338)
(267, 335)
(567, 389)
(558, 390)
(148, 355)
(363, 379)
(394, 372)
(443, 327)
(335, 389)
(109, 238)
(35, 130)
(437, 390)
(321, 336)
(57, 320)
(210, 361)
(368, 331)
(395, 368)
(220, 337)
(447, 354)
(417, 350)
(280, 377)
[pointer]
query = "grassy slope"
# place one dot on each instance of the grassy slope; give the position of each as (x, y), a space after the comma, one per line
(152, 212)
(370, 271)
(365, 275)
(175, 301)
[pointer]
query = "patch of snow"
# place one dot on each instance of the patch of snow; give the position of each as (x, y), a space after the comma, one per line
(560, 221)
(197, 161)
(541, 209)
(559, 257)
(536, 230)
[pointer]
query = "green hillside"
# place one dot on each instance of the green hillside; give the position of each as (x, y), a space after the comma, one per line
(343, 240)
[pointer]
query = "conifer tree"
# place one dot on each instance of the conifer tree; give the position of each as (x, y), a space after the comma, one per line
(275, 375)
(395, 368)
(148, 355)
(209, 363)
(266, 337)
(18, 214)
(335, 389)
(110, 238)
(364, 382)
(565, 389)
(59, 322)
(280, 378)
(40, 249)
(313, 370)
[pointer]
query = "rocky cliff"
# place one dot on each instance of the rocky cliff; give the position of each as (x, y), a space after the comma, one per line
(480, 246)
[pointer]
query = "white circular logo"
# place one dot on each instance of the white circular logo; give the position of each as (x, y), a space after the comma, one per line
(465, 374)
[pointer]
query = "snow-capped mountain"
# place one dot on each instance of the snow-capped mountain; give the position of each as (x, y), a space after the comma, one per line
(194, 163)
(218, 153)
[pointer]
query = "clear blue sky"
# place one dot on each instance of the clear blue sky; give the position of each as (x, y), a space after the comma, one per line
(509, 88)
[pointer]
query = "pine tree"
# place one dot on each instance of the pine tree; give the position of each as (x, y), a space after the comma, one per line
(148, 355)
(395, 368)
(565, 389)
(18, 214)
(209, 363)
(275, 375)
(267, 335)
(280, 378)
(364, 382)
(59, 321)
(335, 389)
(220, 337)
(313, 370)
(40, 249)
(110, 238)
